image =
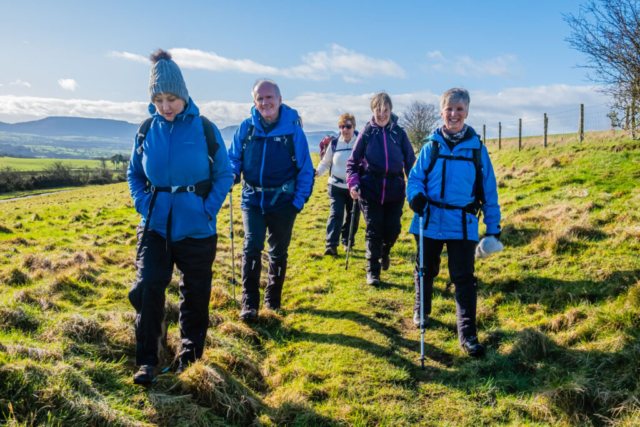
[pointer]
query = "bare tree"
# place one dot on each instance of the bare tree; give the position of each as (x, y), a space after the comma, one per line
(419, 120)
(608, 32)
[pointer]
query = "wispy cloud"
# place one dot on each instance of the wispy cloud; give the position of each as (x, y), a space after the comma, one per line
(20, 83)
(500, 66)
(68, 84)
(320, 65)
(322, 110)
(129, 56)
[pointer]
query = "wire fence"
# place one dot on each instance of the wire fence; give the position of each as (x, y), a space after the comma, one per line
(576, 121)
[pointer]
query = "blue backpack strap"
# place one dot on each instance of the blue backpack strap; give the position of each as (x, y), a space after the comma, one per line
(143, 130)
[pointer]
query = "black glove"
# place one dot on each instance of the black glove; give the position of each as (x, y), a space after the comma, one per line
(496, 235)
(418, 203)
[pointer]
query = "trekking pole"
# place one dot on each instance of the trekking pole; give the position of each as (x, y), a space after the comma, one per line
(233, 258)
(421, 217)
(350, 241)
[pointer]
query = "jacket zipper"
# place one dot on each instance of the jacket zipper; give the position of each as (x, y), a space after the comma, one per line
(386, 170)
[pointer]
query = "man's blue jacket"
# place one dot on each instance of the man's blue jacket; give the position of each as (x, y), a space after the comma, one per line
(264, 161)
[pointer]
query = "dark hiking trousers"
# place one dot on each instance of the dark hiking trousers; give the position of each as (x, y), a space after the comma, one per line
(461, 271)
(279, 224)
(337, 229)
(194, 258)
(383, 229)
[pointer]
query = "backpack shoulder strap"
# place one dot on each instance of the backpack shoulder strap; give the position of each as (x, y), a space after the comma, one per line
(210, 136)
(142, 134)
(251, 131)
(435, 152)
(477, 162)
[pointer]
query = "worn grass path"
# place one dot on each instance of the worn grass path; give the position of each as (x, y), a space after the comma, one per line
(559, 310)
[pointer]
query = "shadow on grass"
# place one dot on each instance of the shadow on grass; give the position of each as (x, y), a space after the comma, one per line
(391, 332)
(557, 295)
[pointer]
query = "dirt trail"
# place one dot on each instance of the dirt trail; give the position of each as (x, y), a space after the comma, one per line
(33, 195)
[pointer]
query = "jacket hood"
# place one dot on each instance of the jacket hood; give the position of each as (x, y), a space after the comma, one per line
(285, 123)
(190, 110)
(437, 135)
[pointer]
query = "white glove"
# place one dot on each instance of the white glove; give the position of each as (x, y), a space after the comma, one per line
(487, 246)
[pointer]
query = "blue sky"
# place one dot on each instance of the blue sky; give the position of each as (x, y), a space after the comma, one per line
(84, 58)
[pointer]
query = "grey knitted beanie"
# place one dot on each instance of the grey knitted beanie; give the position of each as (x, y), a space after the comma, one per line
(166, 76)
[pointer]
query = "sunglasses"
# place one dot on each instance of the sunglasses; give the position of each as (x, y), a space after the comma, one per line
(345, 126)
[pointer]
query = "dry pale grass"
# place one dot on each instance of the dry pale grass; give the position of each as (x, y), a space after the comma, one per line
(14, 277)
(220, 298)
(565, 321)
(18, 318)
(239, 331)
(214, 387)
(78, 328)
(35, 297)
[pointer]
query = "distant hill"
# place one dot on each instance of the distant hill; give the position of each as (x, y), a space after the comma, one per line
(74, 126)
(77, 137)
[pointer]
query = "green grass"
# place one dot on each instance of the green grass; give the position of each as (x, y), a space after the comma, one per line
(40, 164)
(559, 310)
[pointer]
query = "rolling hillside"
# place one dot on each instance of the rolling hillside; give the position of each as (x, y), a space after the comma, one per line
(559, 310)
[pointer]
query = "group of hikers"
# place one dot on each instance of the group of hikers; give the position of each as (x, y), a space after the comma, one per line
(180, 174)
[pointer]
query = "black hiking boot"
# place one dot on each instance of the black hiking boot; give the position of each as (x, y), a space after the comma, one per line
(146, 375)
(416, 319)
(373, 278)
(249, 314)
(473, 347)
(385, 261)
(331, 250)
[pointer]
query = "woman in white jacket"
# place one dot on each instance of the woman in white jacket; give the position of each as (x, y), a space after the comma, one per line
(335, 161)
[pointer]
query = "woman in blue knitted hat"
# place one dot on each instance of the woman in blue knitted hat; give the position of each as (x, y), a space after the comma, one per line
(179, 175)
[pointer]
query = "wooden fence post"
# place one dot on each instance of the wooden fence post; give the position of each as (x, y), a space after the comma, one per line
(499, 135)
(546, 128)
(519, 134)
(484, 134)
(581, 126)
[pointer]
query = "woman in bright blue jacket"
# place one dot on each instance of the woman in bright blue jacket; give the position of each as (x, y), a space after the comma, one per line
(179, 175)
(450, 184)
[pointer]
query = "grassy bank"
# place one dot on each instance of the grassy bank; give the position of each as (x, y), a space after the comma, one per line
(559, 310)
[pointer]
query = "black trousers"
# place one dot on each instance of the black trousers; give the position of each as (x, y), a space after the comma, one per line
(194, 258)
(337, 229)
(461, 270)
(383, 229)
(256, 224)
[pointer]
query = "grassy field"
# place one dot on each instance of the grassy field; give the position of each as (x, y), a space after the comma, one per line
(40, 164)
(559, 310)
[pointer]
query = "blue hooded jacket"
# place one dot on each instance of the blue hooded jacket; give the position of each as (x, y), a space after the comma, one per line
(175, 154)
(460, 188)
(266, 162)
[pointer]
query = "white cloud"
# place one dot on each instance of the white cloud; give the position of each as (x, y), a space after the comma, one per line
(20, 83)
(322, 110)
(500, 66)
(68, 84)
(315, 65)
(130, 56)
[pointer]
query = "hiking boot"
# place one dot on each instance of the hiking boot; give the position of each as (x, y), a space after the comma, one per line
(248, 314)
(416, 319)
(385, 261)
(146, 375)
(272, 308)
(331, 250)
(473, 347)
(373, 279)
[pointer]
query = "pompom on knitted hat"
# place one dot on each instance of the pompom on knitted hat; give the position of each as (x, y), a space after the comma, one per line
(166, 76)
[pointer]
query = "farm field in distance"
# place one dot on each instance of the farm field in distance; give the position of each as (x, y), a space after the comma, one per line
(21, 164)
(559, 311)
